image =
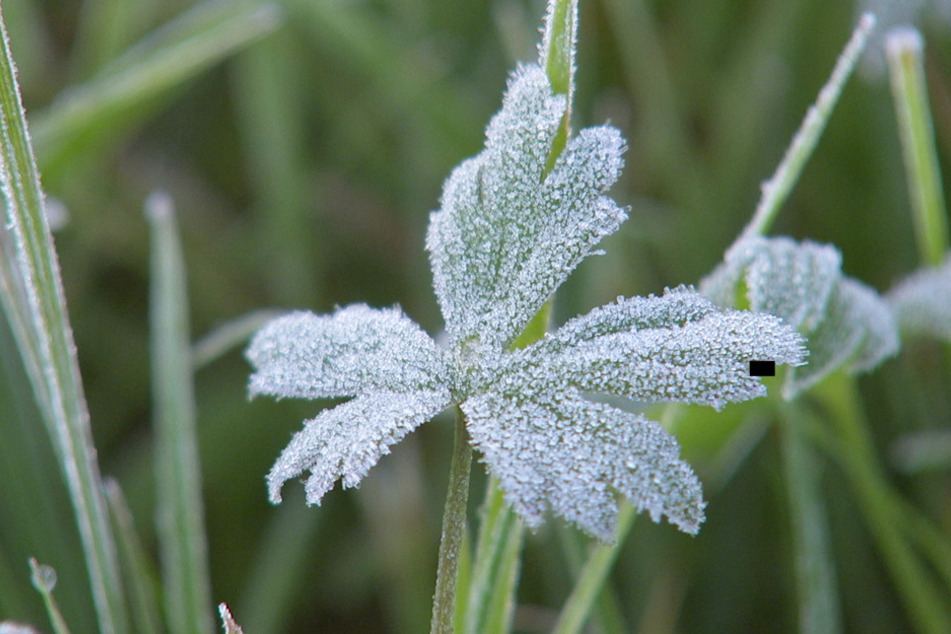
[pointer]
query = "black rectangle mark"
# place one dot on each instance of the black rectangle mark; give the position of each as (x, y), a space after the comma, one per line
(762, 368)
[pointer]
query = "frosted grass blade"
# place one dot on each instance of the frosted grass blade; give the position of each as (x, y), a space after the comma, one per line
(180, 511)
(34, 300)
(777, 188)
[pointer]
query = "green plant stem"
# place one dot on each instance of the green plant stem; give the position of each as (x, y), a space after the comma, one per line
(453, 530)
(35, 303)
(777, 188)
(904, 48)
(588, 586)
(180, 511)
(605, 613)
(275, 578)
(927, 608)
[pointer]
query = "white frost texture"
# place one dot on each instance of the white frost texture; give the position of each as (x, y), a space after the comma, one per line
(846, 323)
(506, 237)
(922, 303)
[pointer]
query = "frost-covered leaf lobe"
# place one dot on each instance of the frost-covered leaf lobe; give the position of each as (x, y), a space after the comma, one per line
(508, 234)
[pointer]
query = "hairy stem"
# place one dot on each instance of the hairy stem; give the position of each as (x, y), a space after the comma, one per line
(453, 531)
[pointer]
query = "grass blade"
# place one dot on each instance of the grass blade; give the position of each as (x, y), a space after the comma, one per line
(491, 588)
(926, 605)
(182, 49)
(267, 81)
(34, 300)
(229, 336)
(276, 577)
(593, 575)
(817, 590)
(143, 588)
(180, 512)
(904, 48)
(231, 626)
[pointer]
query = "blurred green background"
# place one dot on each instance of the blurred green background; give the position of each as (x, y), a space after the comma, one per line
(304, 164)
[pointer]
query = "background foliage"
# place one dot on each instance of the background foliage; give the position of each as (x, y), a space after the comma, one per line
(304, 166)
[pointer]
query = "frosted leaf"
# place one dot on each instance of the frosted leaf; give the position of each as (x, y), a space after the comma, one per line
(675, 307)
(921, 303)
(830, 346)
(355, 350)
(858, 332)
(507, 235)
(783, 278)
(345, 441)
(846, 323)
(705, 360)
(575, 457)
(874, 319)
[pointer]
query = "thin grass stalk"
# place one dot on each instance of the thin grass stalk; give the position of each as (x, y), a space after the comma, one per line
(267, 80)
(180, 510)
(605, 614)
(34, 300)
(930, 540)
(665, 133)
(231, 626)
(905, 52)
(229, 336)
(277, 574)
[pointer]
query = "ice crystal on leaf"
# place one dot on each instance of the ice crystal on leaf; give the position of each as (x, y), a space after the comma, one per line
(922, 303)
(507, 235)
(847, 324)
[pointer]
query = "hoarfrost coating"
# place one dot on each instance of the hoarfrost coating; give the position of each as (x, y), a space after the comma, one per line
(846, 322)
(507, 235)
